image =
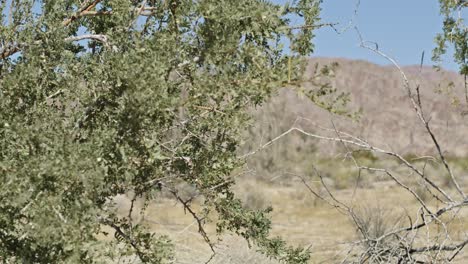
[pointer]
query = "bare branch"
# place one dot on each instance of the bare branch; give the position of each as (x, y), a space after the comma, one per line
(417, 108)
(87, 6)
(127, 238)
(98, 37)
(199, 220)
(440, 247)
(8, 51)
(332, 25)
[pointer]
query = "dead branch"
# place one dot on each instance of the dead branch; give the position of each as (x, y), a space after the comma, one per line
(417, 107)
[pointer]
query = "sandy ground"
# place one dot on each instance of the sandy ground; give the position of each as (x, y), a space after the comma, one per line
(298, 217)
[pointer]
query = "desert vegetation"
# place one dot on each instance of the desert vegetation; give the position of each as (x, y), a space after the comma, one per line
(177, 131)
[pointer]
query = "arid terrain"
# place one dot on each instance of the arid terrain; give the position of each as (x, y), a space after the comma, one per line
(279, 175)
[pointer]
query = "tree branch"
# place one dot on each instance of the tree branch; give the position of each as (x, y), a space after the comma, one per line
(417, 108)
(8, 51)
(98, 37)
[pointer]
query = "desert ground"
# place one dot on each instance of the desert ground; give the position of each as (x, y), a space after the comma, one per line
(285, 174)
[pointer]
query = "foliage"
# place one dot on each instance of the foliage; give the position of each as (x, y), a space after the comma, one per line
(101, 98)
(455, 32)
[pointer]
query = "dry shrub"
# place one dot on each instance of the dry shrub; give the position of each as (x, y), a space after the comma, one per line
(373, 221)
(237, 252)
(251, 195)
(422, 193)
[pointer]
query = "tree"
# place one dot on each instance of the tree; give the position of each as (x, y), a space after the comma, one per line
(454, 33)
(101, 98)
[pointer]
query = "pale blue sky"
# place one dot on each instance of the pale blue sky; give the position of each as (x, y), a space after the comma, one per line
(403, 29)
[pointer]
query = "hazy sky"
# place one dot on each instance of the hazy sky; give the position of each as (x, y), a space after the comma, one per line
(403, 29)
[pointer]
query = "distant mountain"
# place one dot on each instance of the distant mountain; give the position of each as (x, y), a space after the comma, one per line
(387, 119)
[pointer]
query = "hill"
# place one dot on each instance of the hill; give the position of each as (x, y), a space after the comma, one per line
(387, 119)
(387, 116)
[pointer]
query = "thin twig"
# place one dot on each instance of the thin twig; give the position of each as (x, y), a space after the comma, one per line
(98, 37)
(417, 109)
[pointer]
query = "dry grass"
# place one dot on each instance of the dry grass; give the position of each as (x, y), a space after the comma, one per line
(298, 217)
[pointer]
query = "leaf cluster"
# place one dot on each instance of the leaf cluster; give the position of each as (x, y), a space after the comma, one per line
(454, 32)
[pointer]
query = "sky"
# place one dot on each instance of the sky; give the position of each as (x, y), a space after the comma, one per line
(402, 28)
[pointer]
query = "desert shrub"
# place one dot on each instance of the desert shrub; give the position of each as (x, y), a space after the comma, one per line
(252, 195)
(365, 157)
(373, 221)
(422, 192)
(106, 98)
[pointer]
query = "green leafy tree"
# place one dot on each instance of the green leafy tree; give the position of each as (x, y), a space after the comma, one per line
(101, 98)
(455, 35)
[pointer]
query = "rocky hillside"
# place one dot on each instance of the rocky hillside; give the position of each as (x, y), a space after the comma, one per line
(387, 118)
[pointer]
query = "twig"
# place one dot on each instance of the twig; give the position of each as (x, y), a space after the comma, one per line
(98, 37)
(332, 25)
(139, 11)
(10, 50)
(119, 231)
(187, 207)
(59, 215)
(359, 144)
(416, 107)
(87, 6)
(440, 247)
